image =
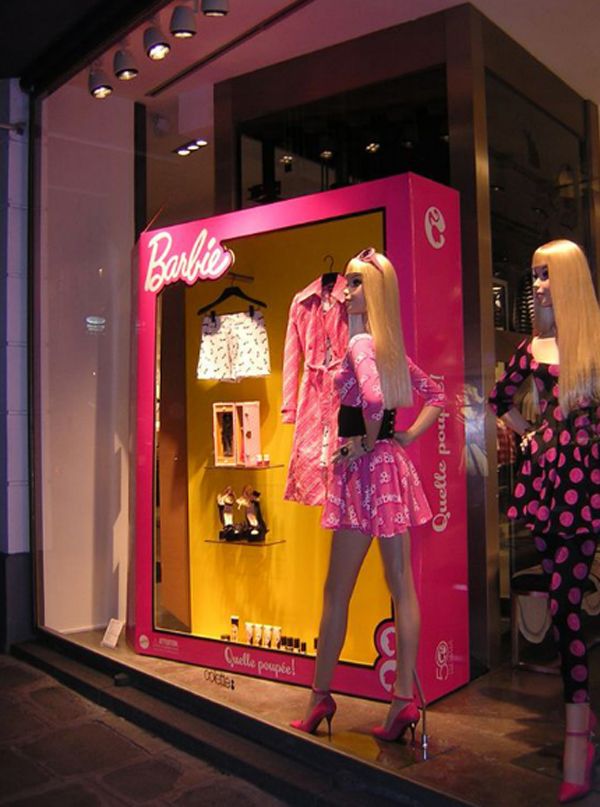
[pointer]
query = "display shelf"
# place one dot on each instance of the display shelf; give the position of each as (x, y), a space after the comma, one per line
(242, 467)
(245, 543)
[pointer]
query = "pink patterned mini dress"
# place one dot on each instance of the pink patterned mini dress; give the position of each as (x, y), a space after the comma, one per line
(379, 493)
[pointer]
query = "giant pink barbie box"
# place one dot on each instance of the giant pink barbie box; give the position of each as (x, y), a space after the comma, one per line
(422, 238)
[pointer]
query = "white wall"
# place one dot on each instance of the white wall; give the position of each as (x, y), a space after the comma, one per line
(87, 235)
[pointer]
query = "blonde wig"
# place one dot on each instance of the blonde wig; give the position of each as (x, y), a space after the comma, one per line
(382, 300)
(577, 317)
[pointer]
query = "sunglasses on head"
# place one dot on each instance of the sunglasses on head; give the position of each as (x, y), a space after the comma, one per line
(369, 255)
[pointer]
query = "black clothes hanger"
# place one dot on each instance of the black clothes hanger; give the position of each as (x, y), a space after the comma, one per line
(329, 277)
(232, 291)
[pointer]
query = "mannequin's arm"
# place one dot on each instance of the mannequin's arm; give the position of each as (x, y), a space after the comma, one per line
(515, 421)
(424, 420)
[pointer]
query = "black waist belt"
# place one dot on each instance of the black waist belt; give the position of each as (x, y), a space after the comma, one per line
(351, 423)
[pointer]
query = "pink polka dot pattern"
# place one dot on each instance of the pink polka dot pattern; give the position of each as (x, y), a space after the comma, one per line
(561, 555)
(557, 494)
(577, 648)
(579, 673)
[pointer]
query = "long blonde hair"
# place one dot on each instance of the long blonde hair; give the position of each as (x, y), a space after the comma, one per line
(577, 317)
(384, 323)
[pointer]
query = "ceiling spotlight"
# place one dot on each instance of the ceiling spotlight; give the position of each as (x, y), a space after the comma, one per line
(287, 159)
(124, 65)
(98, 83)
(155, 44)
(183, 22)
(215, 8)
(326, 154)
(201, 142)
(373, 147)
(183, 151)
(192, 146)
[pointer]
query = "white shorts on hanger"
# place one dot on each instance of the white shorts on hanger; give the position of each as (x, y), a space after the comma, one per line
(233, 347)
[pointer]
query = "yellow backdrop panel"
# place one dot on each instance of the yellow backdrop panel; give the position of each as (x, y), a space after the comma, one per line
(278, 583)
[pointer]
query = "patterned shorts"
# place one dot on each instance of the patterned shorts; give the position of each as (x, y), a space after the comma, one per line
(233, 347)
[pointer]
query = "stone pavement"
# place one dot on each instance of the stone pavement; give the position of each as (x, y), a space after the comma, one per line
(58, 749)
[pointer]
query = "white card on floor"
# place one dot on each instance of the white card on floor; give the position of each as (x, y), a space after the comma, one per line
(112, 633)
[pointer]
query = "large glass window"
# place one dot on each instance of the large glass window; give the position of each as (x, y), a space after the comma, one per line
(376, 131)
(536, 193)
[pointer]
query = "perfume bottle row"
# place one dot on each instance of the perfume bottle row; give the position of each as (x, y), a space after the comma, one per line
(260, 635)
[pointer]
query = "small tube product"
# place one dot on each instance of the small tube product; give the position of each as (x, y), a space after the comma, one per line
(267, 634)
(249, 627)
(277, 637)
(258, 633)
(235, 627)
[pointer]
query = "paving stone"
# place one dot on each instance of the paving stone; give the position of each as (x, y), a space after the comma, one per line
(82, 749)
(145, 781)
(59, 703)
(230, 792)
(19, 675)
(70, 796)
(18, 774)
(18, 721)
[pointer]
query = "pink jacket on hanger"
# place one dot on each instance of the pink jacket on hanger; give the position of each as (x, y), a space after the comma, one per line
(317, 333)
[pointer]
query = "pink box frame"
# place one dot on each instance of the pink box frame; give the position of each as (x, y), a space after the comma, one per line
(422, 237)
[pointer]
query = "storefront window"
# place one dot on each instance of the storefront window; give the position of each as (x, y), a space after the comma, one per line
(83, 296)
(537, 194)
(373, 132)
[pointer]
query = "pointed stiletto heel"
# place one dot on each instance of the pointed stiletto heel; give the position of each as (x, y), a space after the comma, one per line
(407, 718)
(254, 528)
(324, 709)
(225, 502)
(570, 791)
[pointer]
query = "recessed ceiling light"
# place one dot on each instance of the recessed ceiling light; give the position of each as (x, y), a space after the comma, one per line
(201, 142)
(183, 151)
(326, 154)
(373, 147)
(192, 146)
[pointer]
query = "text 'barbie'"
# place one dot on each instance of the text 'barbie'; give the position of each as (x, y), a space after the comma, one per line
(206, 261)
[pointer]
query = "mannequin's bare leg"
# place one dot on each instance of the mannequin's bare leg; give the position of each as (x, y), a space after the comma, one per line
(575, 751)
(348, 550)
(395, 553)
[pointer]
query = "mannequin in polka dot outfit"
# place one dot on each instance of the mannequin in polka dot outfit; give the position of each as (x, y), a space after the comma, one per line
(557, 492)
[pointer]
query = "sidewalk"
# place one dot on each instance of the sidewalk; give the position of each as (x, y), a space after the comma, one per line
(58, 749)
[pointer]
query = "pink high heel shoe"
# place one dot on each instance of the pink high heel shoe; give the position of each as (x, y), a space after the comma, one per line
(324, 709)
(408, 717)
(569, 791)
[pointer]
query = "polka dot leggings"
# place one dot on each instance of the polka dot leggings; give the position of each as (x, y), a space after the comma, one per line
(566, 560)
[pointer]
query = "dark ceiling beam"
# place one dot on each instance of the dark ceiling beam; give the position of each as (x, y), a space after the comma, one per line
(85, 41)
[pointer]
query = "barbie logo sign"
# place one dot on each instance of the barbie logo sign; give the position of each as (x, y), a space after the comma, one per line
(206, 261)
(435, 224)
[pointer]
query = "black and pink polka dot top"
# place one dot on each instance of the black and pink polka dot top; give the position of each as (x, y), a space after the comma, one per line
(558, 484)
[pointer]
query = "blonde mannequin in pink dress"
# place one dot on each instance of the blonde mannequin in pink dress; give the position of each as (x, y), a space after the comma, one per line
(374, 489)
